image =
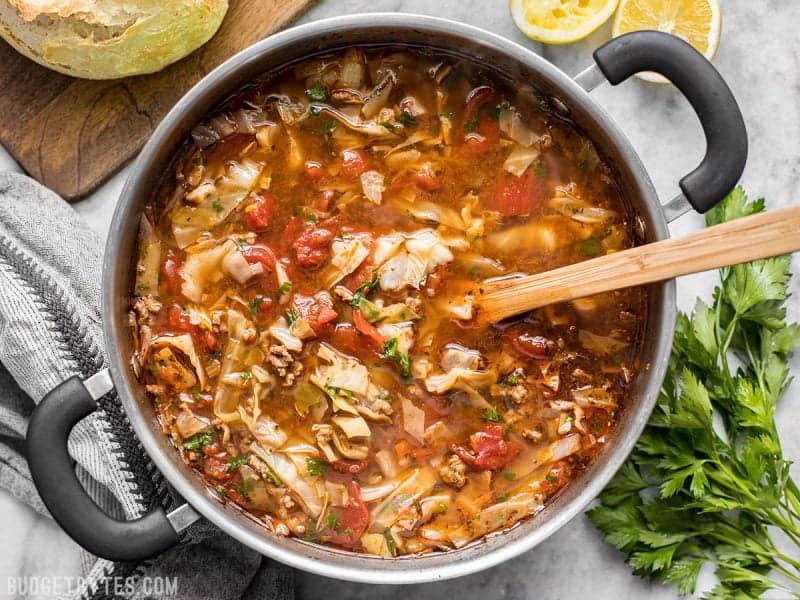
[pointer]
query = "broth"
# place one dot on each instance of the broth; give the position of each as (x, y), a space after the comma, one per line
(302, 313)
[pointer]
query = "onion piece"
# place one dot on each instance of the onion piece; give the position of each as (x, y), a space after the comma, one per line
(379, 96)
(353, 68)
(564, 447)
(387, 462)
(600, 344)
(372, 186)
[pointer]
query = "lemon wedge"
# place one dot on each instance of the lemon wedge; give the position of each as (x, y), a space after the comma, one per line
(560, 21)
(698, 22)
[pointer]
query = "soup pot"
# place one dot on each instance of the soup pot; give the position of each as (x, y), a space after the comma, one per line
(720, 169)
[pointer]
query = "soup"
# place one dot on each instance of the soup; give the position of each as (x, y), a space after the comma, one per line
(303, 319)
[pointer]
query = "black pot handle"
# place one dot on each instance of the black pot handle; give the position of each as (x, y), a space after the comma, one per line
(709, 95)
(53, 472)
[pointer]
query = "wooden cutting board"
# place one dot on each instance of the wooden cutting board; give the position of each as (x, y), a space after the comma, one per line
(72, 134)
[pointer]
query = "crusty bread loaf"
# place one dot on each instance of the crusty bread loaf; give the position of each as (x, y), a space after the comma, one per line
(106, 39)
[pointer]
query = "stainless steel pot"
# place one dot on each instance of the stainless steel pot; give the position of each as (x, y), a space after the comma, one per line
(50, 464)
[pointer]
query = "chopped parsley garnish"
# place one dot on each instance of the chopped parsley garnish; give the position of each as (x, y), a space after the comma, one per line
(590, 247)
(196, 395)
(199, 440)
(244, 487)
(492, 415)
(307, 214)
(503, 497)
(442, 506)
(472, 123)
(392, 353)
(448, 114)
(241, 244)
(317, 92)
(217, 206)
(388, 126)
(332, 520)
(237, 461)
(214, 354)
(511, 379)
(540, 170)
(197, 160)
(285, 288)
(389, 542)
(498, 109)
(473, 272)
(363, 289)
(254, 304)
(316, 467)
(407, 119)
(551, 478)
(291, 316)
(274, 477)
(246, 375)
(509, 475)
(326, 127)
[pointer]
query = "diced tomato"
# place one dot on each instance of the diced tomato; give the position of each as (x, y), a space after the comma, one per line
(354, 162)
(171, 272)
(350, 521)
(313, 247)
(435, 279)
(533, 346)
(323, 201)
(265, 307)
(485, 131)
(490, 449)
(216, 468)
(315, 312)
(349, 466)
(258, 215)
(314, 170)
(426, 179)
(517, 195)
(368, 329)
(210, 340)
(262, 255)
(178, 319)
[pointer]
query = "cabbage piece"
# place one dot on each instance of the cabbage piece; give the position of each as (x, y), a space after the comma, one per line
(520, 159)
(351, 436)
(226, 398)
(372, 186)
(402, 332)
(353, 427)
(413, 420)
(497, 516)
(460, 373)
(512, 125)
(570, 204)
(600, 344)
(210, 204)
(149, 263)
(203, 268)
(405, 260)
(184, 345)
(235, 264)
(264, 429)
(376, 544)
(533, 237)
(411, 490)
(343, 372)
(280, 330)
(304, 491)
(591, 397)
(188, 424)
(346, 256)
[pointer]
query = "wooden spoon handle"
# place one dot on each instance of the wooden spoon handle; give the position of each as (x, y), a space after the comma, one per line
(758, 236)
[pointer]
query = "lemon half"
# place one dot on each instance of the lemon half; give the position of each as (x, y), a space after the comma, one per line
(698, 22)
(560, 21)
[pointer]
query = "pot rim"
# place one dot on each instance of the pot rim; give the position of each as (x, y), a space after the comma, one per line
(352, 567)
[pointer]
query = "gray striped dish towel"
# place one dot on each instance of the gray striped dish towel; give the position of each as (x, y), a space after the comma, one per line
(50, 329)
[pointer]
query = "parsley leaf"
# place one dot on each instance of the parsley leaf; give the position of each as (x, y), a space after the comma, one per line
(707, 481)
(316, 92)
(254, 304)
(407, 119)
(392, 353)
(472, 123)
(291, 316)
(199, 440)
(590, 247)
(316, 467)
(237, 461)
(492, 415)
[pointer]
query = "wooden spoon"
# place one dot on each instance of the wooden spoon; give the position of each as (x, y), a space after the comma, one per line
(749, 238)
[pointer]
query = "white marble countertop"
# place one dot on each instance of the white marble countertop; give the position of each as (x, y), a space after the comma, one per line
(759, 56)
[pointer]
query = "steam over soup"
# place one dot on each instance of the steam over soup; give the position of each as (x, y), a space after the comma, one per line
(302, 316)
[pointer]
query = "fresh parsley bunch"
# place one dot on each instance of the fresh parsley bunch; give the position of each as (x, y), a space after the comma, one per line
(707, 481)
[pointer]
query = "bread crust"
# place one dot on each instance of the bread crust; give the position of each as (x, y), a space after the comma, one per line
(108, 39)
